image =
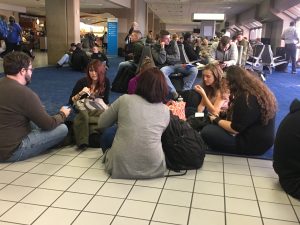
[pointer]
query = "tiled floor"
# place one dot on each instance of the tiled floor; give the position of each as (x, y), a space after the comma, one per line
(66, 186)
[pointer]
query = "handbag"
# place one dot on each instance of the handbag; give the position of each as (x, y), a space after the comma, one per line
(198, 123)
(177, 108)
(90, 104)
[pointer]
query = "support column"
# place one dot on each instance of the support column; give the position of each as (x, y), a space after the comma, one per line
(150, 20)
(63, 26)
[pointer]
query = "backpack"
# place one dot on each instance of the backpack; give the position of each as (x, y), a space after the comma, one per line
(184, 147)
(120, 83)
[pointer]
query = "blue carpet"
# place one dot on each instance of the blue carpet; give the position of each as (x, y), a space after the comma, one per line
(54, 87)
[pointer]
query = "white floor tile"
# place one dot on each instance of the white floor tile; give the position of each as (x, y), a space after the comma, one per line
(237, 169)
(238, 179)
(125, 221)
(56, 216)
(86, 218)
(137, 209)
(294, 201)
(159, 223)
(242, 206)
(6, 223)
(238, 191)
(179, 184)
(42, 197)
(48, 169)
(178, 198)
(95, 174)
(275, 196)
(59, 159)
(297, 210)
(209, 176)
(31, 180)
(70, 200)
(277, 211)
(233, 219)
(266, 182)
(210, 202)
(260, 163)
(9, 176)
(82, 162)
(14, 193)
(213, 158)
(86, 186)
(205, 217)
(235, 160)
(39, 158)
(58, 183)
(209, 188)
(71, 171)
(263, 172)
(3, 165)
(115, 190)
(121, 181)
(23, 213)
(92, 153)
(68, 151)
(158, 182)
(171, 214)
(212, 166)
(98, 165)
(106, 205)
(278, 222)
(4, 206)
(147, 194)
(190, 174)
(21, 166)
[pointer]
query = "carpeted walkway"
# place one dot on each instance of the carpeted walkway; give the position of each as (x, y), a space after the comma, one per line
(54, 87)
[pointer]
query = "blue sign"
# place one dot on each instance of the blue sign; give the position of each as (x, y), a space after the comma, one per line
(112, 37)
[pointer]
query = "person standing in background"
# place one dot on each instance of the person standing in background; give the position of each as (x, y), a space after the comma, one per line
(13, 37)
(3, 30)
(291, 38)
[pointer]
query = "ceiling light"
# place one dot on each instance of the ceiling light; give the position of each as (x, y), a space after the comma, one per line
(208, 16)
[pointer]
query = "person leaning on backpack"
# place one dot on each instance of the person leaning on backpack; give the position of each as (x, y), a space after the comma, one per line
(133, 148)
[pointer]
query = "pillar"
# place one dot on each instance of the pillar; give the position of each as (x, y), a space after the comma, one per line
(63, 26)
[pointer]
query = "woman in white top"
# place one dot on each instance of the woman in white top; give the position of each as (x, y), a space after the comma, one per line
(214, 91)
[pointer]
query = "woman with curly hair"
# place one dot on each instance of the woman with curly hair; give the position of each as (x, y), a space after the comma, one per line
(214, 91)
(250, 125)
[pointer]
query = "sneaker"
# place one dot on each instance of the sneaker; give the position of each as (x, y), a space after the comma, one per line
(82, 147)
(58, 66)
(294, 72)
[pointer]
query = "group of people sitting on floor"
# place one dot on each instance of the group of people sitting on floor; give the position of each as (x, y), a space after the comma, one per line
(132, 126)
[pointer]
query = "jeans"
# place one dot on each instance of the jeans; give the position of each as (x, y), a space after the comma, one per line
(290, 51)
(122, 65)
(37, 142)
(107, 137)
(189, 76)
(218, 139)
(64, 59)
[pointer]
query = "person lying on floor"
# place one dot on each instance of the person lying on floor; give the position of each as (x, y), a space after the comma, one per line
(133, 148)
(213, 91)
(286, 155)
(250, 125)
(26, 128)
(97, 85)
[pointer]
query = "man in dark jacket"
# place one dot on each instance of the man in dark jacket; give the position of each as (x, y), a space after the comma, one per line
(79, 59)
(191, 51)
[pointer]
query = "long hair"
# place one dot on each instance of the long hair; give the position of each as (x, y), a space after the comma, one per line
(95, 65)
(242, 82)
(219, 82)
(152, 85)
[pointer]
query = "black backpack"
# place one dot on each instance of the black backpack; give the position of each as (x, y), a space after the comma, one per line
(183, 146)
(120, 83)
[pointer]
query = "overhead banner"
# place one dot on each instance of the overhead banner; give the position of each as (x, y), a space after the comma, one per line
(112, 36)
